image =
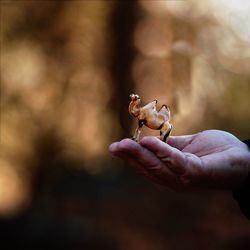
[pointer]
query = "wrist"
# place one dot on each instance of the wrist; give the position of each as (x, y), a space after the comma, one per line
(247, 142)
(245, 166)
(241, 194)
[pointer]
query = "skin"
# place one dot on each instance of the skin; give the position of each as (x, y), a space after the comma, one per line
(211, 159)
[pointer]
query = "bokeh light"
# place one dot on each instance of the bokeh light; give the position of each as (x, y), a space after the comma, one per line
(67, 69)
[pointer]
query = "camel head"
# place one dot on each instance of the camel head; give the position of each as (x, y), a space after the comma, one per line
(134, 97)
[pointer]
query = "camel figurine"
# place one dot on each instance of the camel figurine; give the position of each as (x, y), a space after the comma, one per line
(150, 117)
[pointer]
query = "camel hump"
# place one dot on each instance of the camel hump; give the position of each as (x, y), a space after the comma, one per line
(150, 106)
(164, 111)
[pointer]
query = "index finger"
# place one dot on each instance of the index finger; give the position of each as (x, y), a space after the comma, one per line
(146, 158)
(180, 142)
(135, 150)
(173, 158)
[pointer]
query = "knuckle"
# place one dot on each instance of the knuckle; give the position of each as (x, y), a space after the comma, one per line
(154, 167)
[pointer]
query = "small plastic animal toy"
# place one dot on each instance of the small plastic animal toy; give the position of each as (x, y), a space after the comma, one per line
(150, 117)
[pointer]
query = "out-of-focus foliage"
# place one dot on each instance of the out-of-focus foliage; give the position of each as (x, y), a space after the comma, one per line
(55, 80)
(67, 68)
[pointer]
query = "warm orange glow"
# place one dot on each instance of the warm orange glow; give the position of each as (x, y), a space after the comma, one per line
(150, 74)
(153, 37)
(14, 191)
(62, 70)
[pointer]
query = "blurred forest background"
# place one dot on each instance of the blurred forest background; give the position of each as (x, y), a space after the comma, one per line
(67, 69)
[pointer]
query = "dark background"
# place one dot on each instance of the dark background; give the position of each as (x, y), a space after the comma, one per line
(67, 69)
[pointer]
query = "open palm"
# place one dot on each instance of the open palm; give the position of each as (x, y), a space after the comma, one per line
(209, 159)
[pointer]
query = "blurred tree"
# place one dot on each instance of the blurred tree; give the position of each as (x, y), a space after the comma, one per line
(122, 23)
(67, 69)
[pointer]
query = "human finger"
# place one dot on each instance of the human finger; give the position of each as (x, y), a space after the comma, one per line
(133, 163)
(139, 169)
(113, 147)
(128, 149)
(135, 150)
(180, 142)
(173, 158)
(148, 160)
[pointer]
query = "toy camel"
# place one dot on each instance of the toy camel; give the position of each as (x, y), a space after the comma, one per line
(150, 117)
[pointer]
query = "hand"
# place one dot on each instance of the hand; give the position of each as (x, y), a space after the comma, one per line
(209, 159)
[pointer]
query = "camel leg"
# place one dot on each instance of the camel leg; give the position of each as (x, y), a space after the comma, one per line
(138, 131)
(165, 131)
